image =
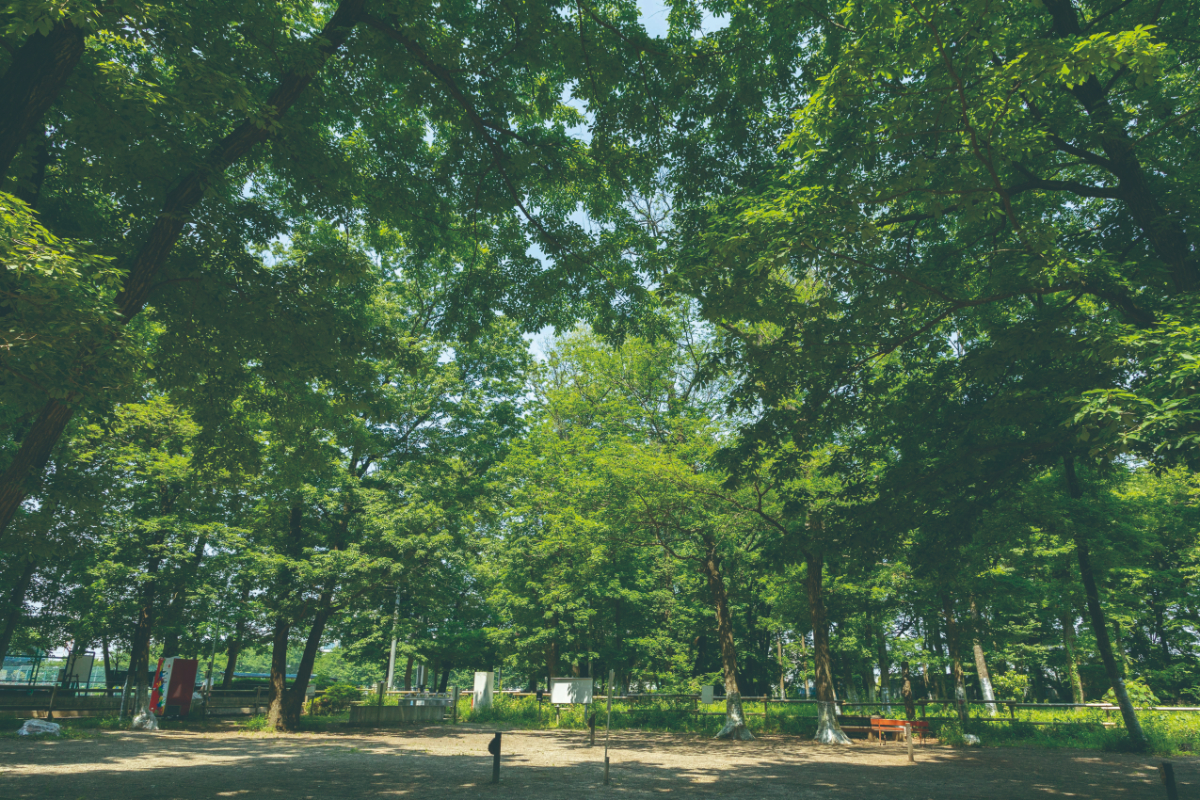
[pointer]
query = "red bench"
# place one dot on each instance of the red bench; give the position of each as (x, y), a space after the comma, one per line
(882, 727)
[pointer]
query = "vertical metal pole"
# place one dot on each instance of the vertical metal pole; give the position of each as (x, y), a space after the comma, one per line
(908, 740)
(612, 677)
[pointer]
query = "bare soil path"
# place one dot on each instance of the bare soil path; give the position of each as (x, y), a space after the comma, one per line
(452, 762)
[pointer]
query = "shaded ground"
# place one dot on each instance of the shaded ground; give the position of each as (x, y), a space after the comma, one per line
(453, 762)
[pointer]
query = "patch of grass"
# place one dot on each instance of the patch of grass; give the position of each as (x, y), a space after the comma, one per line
(1168, 733)
(667, 715)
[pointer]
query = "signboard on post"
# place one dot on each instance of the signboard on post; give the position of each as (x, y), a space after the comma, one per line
(706, 695)
(482, 697)
(569, 691)
(78, 670)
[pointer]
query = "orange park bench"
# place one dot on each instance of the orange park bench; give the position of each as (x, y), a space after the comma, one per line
(895, 727)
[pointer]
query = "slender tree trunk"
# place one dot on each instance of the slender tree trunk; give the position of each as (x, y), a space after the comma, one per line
(906, 692)
(828, 729)
(445, 681)
(235, 642)
(1096, 611)
(960, 686)
(174, 612)
(1165, 231)
(139, 658)
(1068, 628)
(885, 665)
(985, 678)
(15, 609)
(408, 665)
(868, 669)
(32, 82)
(107, 667)
(735, 718)
(27, 466)
(782, 669)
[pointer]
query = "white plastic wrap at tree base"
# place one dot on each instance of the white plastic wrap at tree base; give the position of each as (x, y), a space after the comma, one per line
(735, 720)
(971, 740)
(828, 730)
(145, 720)
(39, 727)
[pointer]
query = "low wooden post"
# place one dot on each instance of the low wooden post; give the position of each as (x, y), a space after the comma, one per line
(257, 694)
(494, 749)
(50, 710)
(1012, 710)
(592, 724)
(454, 705)
(909, 742)
(1166, 771)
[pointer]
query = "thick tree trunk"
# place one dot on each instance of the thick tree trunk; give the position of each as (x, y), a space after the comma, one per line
(828, 729)
(24, 473)
(981, 668)
(952, 641)
(15, 606)
(279, 648)
(32, 82)
(293, 703)
(1068, 628)
(1099, 627)
(293, 548)
(30, 461)
(735, 717)
(445, 681)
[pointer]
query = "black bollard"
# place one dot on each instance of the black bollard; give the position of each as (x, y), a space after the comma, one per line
(494, 749)
(1167, 773)
(592, 724)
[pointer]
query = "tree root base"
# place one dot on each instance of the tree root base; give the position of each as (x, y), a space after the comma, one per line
(737, 731)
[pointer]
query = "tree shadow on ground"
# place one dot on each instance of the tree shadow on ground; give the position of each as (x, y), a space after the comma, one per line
(453, 762)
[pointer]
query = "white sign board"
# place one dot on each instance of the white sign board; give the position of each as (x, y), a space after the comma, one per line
(706, 695)
(81, 668)
(565, 691)
(483, 689)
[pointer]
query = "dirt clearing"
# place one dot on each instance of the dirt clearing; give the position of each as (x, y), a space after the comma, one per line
(453, 762)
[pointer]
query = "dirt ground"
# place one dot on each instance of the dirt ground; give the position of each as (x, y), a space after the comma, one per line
(452, 762)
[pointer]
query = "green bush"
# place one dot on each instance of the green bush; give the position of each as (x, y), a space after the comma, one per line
(336, 698)
(1139, 694)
